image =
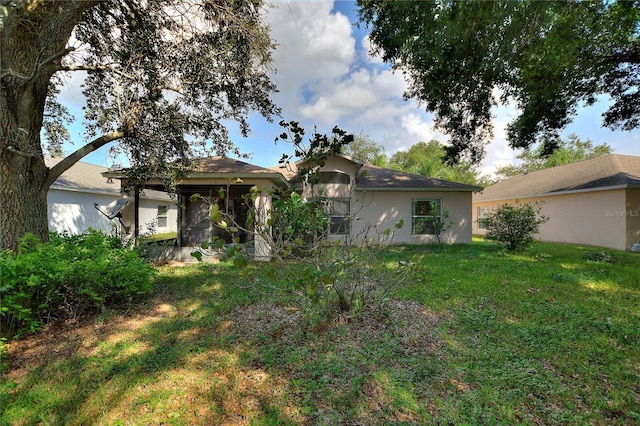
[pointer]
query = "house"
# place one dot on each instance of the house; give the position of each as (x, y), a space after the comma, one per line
(216, 181)
(81, 198)
(593, 202)
(358, 196)
(362, 197)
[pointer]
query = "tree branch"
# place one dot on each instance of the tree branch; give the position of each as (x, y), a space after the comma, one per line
(38, 66)
(73, 158)
(95, 68)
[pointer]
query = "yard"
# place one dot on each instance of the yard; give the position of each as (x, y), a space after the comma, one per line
(546, 336)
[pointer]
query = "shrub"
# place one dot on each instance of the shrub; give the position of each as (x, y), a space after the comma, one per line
(66, 276)
(514, 224)
(298, 226)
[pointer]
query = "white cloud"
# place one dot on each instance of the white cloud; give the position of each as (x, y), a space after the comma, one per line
(366, 47)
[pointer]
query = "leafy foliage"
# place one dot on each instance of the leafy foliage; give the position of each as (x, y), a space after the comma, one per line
(162, 79)
(428, 159)
(548, 57)
(365, 150)
(300, 224)
(514, 225)
(66, 276)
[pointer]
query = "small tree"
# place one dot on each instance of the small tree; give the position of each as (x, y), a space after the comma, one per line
(514, 224)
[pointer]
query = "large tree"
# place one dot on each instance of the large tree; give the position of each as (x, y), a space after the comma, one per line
(162, 79)
(363, 148)
(461, 57)
(427, 158)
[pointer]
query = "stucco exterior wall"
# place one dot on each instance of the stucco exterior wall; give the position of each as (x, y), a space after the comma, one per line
(378, 210)
(386, 208)
(74, 212)
(596, 218)
(148, 215)
(633, 217)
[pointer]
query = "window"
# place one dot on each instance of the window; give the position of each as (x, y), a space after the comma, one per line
(483, 212)
(338, 210)
(426, 214)
(162, 216)
(339, 219)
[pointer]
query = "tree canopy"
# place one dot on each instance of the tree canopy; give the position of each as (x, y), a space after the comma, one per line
(461, 57)
(427, 158)
(162, 79)
(568, 151)
(366, 150)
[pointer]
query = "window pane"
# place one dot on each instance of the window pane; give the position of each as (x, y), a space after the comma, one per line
(339, 225)
(162, 222)
(426, 208)
(422, 225)
(340, 207)
(162, 210)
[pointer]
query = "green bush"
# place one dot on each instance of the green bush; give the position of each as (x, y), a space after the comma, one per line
(514, 225)
(64, 277)
(297, 225)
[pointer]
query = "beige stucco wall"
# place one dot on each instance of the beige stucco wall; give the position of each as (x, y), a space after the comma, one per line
(596, 218)
(633, 216)
(386, 208)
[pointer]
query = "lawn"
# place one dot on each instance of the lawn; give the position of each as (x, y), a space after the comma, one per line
(550, 335)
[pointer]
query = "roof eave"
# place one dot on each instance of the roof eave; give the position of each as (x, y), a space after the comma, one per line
(420, 189)
(568, 192)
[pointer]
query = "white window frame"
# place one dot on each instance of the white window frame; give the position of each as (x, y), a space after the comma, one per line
(483, 212)
(162, 216)
(339, 219)
(420, 218)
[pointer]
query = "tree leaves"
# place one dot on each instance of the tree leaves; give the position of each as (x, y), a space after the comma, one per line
(548, 57)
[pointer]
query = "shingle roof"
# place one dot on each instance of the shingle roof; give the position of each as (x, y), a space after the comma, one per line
(374, 178)
(609, 171)
(226, 165)
(83, 177)
(379, 178)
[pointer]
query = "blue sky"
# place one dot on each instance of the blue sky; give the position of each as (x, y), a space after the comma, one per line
(326, 77)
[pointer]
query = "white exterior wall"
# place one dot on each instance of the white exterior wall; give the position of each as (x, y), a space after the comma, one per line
(596, 218)
(148, 214)
(74, 212)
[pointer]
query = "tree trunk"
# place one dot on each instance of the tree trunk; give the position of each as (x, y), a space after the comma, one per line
(23, 200)
(33, 39)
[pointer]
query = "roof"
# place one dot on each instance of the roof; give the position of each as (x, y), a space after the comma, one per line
(220, 167)
(83, 177)
(381, 179)
(613, 171)
(225, 166)
(374, 178)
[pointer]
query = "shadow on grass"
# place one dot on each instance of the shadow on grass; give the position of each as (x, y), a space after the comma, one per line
(167, 360)
(517, 344)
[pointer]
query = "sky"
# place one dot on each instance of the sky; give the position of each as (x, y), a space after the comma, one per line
(326, 77)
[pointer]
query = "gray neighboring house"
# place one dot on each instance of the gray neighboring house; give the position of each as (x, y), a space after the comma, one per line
(593, 202)
(81, 198)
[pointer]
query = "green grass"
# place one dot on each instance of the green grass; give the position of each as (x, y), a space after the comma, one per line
(546, 336)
